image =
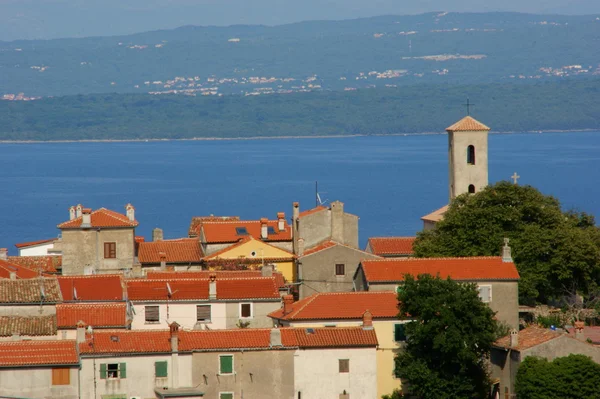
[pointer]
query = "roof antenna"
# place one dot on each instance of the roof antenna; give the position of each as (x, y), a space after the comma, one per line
(318, 200)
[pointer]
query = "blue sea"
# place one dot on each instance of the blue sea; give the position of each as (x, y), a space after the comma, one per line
(389, 181)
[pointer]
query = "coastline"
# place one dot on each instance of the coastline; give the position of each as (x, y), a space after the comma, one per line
(273, 137)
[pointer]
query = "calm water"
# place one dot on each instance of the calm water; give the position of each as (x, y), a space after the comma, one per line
(390, 182)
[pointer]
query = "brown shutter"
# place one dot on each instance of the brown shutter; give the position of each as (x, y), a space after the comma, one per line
(152, 315)
(61, 376)
(344, 365)
(203, 313)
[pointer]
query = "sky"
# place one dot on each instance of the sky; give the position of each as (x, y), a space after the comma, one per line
(48, 19)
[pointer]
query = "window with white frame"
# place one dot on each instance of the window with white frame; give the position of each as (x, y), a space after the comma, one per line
(246, 311)
(485, 293)
(225, 395)
(225, 364)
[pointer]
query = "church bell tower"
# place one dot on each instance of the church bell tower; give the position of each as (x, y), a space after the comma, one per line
(467, 156)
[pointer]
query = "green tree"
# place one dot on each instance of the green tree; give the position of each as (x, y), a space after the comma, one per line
(447, 341)
(570, 377)
(556, 252)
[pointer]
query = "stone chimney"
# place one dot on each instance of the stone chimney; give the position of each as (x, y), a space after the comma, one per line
(280, 221)
(130, 210)
(300, 246)
(86, 220)
(174, 331)
(367, 320)
(337, 222)
(506, 252)
(514, 338)
(13, 275)
(288, 301)
(163, 260)
(295, 224)
(80, 332)
(72, 213)
(3, 253)
(264, 228)
(78, 210)
(275, 337)
(267, 270)
(157, 234)
(296, 211)
(212, 286)
(16, 336)
(579, 330)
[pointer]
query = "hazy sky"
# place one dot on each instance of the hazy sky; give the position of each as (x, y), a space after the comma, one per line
(44, 19)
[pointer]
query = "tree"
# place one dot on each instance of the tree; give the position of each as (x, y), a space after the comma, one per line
(555, 252)
(570, 377)
(450, 336)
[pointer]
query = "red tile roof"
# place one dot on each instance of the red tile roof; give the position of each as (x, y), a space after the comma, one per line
(342, 305)
(530, 337)
(332, 337)
(33, 243)
(126, 341)
(45, 263)
(388, 246)
(38, 353)
(6, 268)
(220, 274)
(101, 218)
(319, 247)
(194, 229)
(467, 124)
(225, 232)
(28, 325)
(183, 250)
(311, 211)
(463, 269)
(30, 291)
(98, 287)
(97, 315)
(590, 332)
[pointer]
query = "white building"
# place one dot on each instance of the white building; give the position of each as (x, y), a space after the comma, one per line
(36, 248)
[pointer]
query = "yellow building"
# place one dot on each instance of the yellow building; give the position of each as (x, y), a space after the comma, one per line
(253, 254)
(344, 309)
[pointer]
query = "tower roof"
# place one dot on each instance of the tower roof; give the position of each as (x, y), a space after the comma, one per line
(467, 124)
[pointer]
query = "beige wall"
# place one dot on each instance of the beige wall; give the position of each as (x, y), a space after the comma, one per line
(461, 173)
(84, 249)
(258, 374)
(259, 318)
(36, 383)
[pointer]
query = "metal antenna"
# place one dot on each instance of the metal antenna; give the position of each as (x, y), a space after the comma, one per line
(468, 105)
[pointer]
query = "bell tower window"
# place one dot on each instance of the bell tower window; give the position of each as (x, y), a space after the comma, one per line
(471, 189)
(471, 155)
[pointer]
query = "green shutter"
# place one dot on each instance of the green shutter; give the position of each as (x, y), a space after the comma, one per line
(160, 369)
(399, 334)
(102, 371)
(223, 395)
(226, 364)
(123, 370)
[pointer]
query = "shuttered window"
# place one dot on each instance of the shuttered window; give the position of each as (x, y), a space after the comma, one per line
(113, 370)
(344, 365)
(399, 333)
(485, 293)
(226, 395)
(340, 269)
(203, 313)
(110, 250)
(160, 369)
(152, 314)
(246, 310)
(61, 376)
(225, 364)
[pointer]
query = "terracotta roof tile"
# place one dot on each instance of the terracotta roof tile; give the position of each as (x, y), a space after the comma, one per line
(97, 315)
(38, 353)
(183, 250)
(225, 232)
(529, 337)
(6, 268)
(127, 341)
(220, 274)
(388, 246)
(332, 337)
(590, 332)
(34, 243)
(462, 269)
(98, 287)
(101, 218)
(342, 305)
(44, 263)
(311, 211)
(467, 124)
(28, 325)
(320, 247)
(250, 288)
(436, 215)
(30, 291)
(194, 229)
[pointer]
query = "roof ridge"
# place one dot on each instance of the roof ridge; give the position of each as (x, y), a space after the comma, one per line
(396, 237)
(432, 258)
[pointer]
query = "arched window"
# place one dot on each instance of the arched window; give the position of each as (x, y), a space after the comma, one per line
(471, 155)
(471, 189)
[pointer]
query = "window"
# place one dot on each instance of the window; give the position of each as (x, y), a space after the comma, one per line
(61, 376)
(485, 293)
(225, 395)
(203, 313)
(245, 310)
(152, 314)
(225, 364)
(471, 189)
(471, 155)
(344, 365)
(399, 332)
(113, 370)
(160, 369)
(110, 250)
(340, 269)
(241, 231)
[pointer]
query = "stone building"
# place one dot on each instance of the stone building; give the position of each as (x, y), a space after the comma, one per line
(96, 242)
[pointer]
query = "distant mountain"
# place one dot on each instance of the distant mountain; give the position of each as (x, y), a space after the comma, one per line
(436, 48)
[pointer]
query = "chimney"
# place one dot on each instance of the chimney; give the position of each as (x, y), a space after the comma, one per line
(130, 212)
(174, 330)
(275, 337)
(295, 225)
(579, 327)
(300, 246)
(80, 332)
(13, 275)
(288, 301)
(3, 253)
(514, 338)
(280, 221)
(367, 320)
(337, 222)
(86, 220)
(267, 270)
(157, 234)
(296, 211)
(506, 252)
(72, 213)
(212, 286)
(78, 210)
(264, 229)
(163, 260)
(16, 336)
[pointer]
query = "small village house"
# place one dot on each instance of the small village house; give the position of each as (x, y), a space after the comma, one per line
(391, 247)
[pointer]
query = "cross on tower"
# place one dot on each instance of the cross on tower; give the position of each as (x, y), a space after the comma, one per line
(468, 105)
(515, 177)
